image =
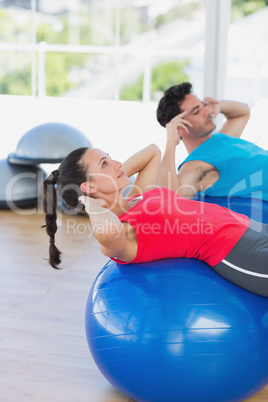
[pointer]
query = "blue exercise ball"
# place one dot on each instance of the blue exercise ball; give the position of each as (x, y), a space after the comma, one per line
(174, 330)
(254, 208)
(48, 143)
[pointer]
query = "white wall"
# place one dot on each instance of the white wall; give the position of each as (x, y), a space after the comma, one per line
(120, 128)
(256, 130)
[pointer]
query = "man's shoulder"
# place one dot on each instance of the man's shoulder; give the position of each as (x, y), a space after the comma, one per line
(215, 137)
(195, 164)
(204, 153)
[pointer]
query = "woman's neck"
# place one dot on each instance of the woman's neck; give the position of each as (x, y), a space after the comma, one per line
(120, 207)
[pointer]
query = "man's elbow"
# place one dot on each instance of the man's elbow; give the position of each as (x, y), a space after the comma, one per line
(186, 191)
(245, 117)
(247, 108)
(246, 112)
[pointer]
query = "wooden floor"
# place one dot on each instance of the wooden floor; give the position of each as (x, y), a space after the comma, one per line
(44, 356)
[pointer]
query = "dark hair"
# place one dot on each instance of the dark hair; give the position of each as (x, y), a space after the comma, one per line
(169, 104)
(68, 177)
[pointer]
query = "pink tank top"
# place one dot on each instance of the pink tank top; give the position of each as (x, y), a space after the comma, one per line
(170, 226)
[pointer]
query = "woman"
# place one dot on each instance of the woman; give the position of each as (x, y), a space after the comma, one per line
(153, 222)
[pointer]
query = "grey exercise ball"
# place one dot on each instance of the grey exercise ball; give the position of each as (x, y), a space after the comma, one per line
(48, 143)
(20, 186)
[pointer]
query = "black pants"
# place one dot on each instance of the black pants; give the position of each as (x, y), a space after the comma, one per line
(247, 263)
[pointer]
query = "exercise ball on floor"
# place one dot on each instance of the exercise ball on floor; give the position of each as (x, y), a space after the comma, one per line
(48, 143)
(254, 208)
(174, 330)
(20, 186)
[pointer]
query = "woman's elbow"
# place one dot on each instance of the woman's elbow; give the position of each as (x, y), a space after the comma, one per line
(155, 149)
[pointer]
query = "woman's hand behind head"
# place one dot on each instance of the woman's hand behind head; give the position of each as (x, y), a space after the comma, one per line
(92, 204)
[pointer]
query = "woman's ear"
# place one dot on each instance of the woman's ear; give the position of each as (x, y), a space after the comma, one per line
(88, 188)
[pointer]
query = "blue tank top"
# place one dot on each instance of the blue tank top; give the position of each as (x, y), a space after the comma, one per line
(242, 166)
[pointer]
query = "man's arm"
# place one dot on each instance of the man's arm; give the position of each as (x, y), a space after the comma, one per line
(168, 176)
(190, 178)
(187, 182)
(237, 115)
(194, 177)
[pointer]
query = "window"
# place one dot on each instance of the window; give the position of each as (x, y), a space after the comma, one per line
(247, 61)
(101, 49)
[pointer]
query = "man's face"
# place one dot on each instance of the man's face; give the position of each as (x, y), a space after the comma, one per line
(200, 117)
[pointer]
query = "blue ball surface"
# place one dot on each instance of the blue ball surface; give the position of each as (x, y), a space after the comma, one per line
(174, 330)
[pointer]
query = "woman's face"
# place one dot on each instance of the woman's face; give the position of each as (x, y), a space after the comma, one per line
(106, 175)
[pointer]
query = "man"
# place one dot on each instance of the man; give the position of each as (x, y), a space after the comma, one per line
(219, 164)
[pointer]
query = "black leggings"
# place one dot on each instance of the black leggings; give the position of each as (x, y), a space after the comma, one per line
(247, 263)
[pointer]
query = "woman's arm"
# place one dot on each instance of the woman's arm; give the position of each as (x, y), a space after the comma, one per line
(109, 230)
(147, 164)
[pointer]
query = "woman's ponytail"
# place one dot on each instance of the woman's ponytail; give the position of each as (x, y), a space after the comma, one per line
(66, 180)
(50, 208)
